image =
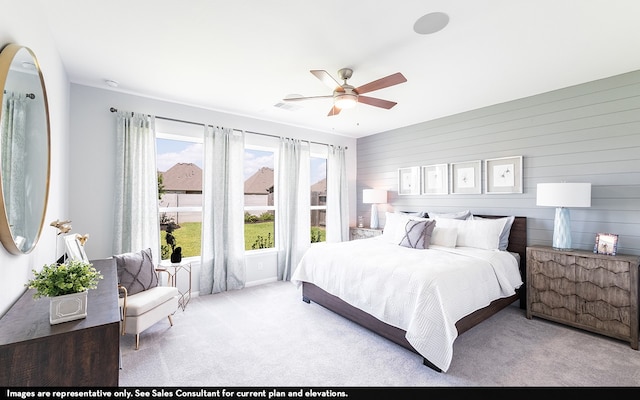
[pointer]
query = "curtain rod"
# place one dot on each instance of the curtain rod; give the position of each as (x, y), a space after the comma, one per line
(113, 109)
(29, 95)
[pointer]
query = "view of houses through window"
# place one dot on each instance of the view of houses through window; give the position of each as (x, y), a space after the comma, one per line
(179, 164)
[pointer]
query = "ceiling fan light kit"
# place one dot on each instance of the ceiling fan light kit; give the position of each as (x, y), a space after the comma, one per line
(345, 100)
(346, 96)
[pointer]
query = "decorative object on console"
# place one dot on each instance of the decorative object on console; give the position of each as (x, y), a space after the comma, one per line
(563, 195)
(74, 248)
(503, 175)
(606, 243)
(82, 238)
(373, 197)
(62, 226)
(66, 285)
(409, 180)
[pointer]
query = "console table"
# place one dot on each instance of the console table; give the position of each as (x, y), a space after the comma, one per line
(83, 352)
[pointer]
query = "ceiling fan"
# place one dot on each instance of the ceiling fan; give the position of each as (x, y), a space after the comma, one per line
(347, 96)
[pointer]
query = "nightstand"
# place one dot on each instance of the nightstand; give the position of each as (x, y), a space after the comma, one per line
(594, 292)
(363, 233)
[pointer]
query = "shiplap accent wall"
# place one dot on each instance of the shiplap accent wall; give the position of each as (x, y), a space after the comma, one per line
(584, 133)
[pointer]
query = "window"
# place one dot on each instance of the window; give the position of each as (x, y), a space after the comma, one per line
(179, 163)
(259, 205)
(318, 196)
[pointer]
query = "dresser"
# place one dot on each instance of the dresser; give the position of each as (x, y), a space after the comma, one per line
(594, 292)
(363, 233)
(77, 353)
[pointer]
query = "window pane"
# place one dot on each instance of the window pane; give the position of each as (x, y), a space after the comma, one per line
(259, 228)
(179, 165)
(318, 198)
(180, 229)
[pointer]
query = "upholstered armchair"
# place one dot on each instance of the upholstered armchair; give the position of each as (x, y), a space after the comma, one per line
(143, 302)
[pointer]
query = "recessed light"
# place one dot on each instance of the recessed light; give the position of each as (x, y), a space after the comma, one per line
(111, 83)
(431, 23)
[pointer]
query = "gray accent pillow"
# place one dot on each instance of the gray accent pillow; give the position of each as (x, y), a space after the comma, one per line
(136, 271)
(417, 234)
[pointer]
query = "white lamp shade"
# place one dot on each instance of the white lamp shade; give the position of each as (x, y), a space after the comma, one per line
(564, 194)
(374, 196)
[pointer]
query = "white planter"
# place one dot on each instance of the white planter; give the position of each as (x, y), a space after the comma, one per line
(68, 307)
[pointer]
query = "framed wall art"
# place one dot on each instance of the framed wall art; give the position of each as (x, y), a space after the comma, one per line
(606, 243)
(409, 180)
(503, 175)
(435, 179)
(466, 177)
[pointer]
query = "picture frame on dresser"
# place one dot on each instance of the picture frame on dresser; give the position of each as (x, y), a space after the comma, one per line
(465, 177)
(435, 179)
(503, 175)
(606, 243)
(409, 180)
(75, 250)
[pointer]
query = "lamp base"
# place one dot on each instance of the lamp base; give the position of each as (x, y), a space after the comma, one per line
(374, 217)
(562, 230)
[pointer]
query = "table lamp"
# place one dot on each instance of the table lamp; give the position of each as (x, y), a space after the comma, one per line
(563, 195)
(373, 197)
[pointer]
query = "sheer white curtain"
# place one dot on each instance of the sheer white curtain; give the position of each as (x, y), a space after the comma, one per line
(337, 196)
(223, 266)
(136, 199)
(293, 230)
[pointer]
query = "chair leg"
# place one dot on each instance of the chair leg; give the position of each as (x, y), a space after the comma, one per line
(137, 341)
(170, 320)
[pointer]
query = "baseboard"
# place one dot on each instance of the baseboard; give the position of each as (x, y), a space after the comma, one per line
(260, 282)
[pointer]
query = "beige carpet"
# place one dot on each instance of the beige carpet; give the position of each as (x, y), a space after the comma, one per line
(266, 336)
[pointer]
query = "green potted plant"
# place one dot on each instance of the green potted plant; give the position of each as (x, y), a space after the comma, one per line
(66, 285)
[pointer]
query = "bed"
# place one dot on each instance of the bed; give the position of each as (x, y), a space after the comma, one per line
(421, 299)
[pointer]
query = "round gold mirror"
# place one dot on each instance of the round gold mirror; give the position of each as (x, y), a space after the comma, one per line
(24, 149)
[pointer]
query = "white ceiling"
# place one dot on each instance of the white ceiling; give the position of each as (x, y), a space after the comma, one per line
(244, 56)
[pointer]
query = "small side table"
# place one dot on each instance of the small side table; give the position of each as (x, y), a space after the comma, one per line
(172, 270)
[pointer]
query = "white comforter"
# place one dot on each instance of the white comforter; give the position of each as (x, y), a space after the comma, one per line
(424, 292)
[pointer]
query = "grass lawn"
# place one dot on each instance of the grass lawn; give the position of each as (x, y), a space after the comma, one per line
(189, 236)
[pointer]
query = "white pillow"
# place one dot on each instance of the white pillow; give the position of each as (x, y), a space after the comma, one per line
(478, 233)
(506, 231)
(446, 237)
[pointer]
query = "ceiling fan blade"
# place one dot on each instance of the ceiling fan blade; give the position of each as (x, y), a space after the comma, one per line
(382, 83)
(307, 98)
(326, 78)
(334, 111)
(372, 101)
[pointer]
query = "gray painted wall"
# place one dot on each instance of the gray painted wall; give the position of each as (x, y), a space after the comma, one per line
(585, 133)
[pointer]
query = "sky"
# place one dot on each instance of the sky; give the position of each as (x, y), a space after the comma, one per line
(171, 152)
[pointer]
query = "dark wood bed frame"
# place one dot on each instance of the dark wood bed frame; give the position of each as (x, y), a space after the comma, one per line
(517, 244)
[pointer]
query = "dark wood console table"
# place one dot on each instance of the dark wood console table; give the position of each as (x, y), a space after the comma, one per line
(84, 352)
